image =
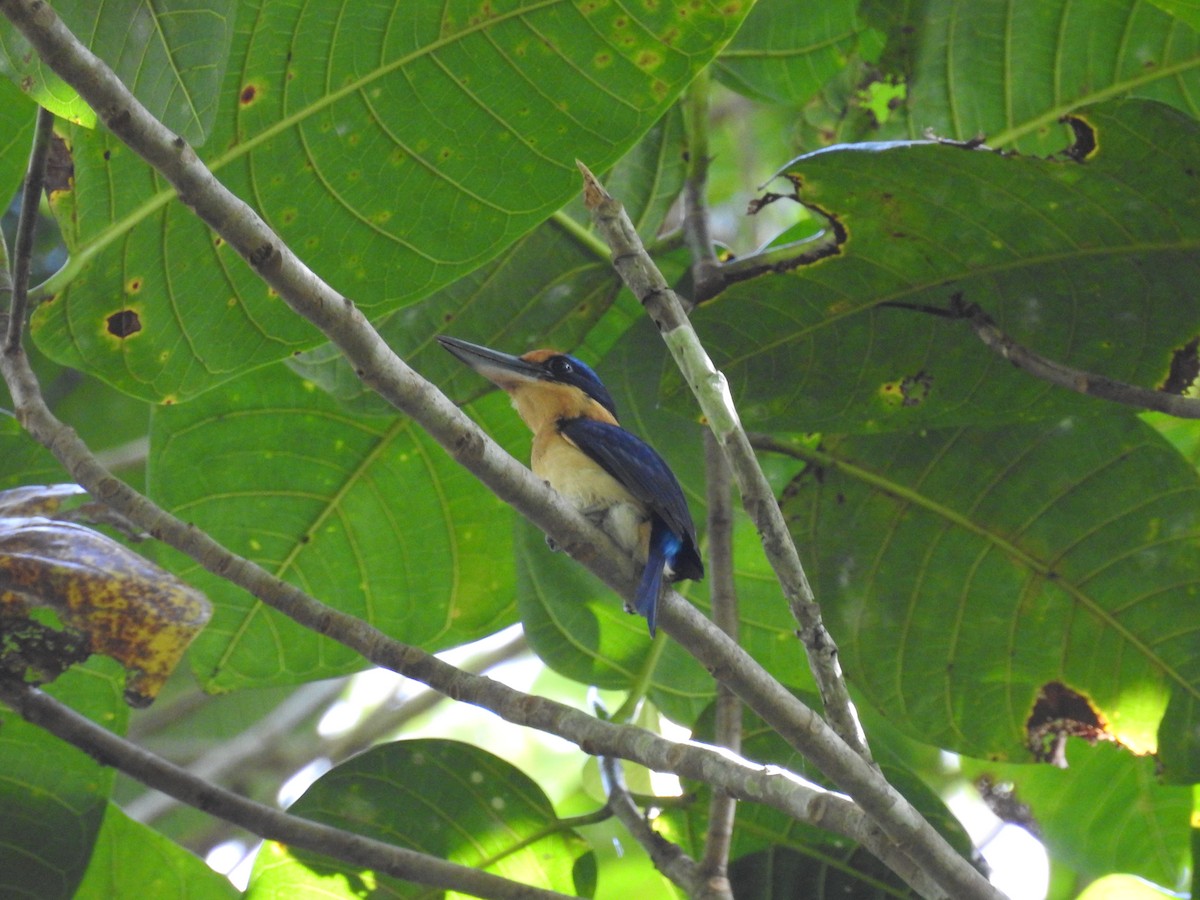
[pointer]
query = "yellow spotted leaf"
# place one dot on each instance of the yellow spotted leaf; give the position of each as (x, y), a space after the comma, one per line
(67, 591)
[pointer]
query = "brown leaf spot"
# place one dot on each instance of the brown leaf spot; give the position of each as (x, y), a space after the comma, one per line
(1085, 143)
(107, 599)
(60, 167)
(123, 323)
(1058, 713)
(1185, 366)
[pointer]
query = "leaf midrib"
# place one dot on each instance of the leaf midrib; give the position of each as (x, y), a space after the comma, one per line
(1033, 564)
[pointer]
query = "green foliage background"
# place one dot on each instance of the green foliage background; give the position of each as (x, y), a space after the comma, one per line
(972, 534)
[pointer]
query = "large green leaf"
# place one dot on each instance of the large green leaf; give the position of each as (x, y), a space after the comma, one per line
(963, 572)
(785, 51)
(1106, 812)
(52, 794)
(16, 134)
(547, 289)
(397, 148)
(1086, 262)
(171, 54)
(443, 798)
(365, 513)
(1009, 69)
(132, 860)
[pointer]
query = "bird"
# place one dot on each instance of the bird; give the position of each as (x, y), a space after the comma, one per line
(613, 477)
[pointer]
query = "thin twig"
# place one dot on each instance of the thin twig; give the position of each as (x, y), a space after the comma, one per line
(667, 857)
(706, 270)
(714, 865)
(108, 749)
(648, 285)
(775, 260)
(31, 196)
(1077, 380)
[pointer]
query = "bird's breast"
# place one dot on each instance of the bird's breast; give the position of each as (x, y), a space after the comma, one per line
(590, 489)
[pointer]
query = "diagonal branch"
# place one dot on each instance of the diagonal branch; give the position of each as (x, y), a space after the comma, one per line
(667, 857)
(648, 285)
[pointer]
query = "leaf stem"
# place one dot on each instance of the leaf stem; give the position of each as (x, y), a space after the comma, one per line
(584, 237)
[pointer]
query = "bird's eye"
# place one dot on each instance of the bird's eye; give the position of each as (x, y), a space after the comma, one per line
(561, 367)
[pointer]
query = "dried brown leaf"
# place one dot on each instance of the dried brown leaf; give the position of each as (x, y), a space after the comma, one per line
(106, 598)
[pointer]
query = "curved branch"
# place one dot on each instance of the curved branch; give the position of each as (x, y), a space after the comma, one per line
(1063, 376)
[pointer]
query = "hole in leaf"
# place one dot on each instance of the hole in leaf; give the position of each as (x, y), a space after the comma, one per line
(124, 323)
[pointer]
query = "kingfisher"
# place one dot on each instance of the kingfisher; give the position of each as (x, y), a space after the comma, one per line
(611, 476)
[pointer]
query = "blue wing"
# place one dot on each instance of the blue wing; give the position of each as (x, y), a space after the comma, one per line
(645, 474)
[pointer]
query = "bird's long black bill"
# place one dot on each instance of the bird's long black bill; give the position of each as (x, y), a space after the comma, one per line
(497, 367)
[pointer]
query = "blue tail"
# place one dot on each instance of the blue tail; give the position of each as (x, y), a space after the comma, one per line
(664, 546)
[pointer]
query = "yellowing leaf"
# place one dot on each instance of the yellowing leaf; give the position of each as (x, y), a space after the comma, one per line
(105, 599)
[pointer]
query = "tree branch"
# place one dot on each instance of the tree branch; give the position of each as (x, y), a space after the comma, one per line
(747, 781)
(667, 857)
(739, 778)
(722, 809)
(648, 285)
(108, 749)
